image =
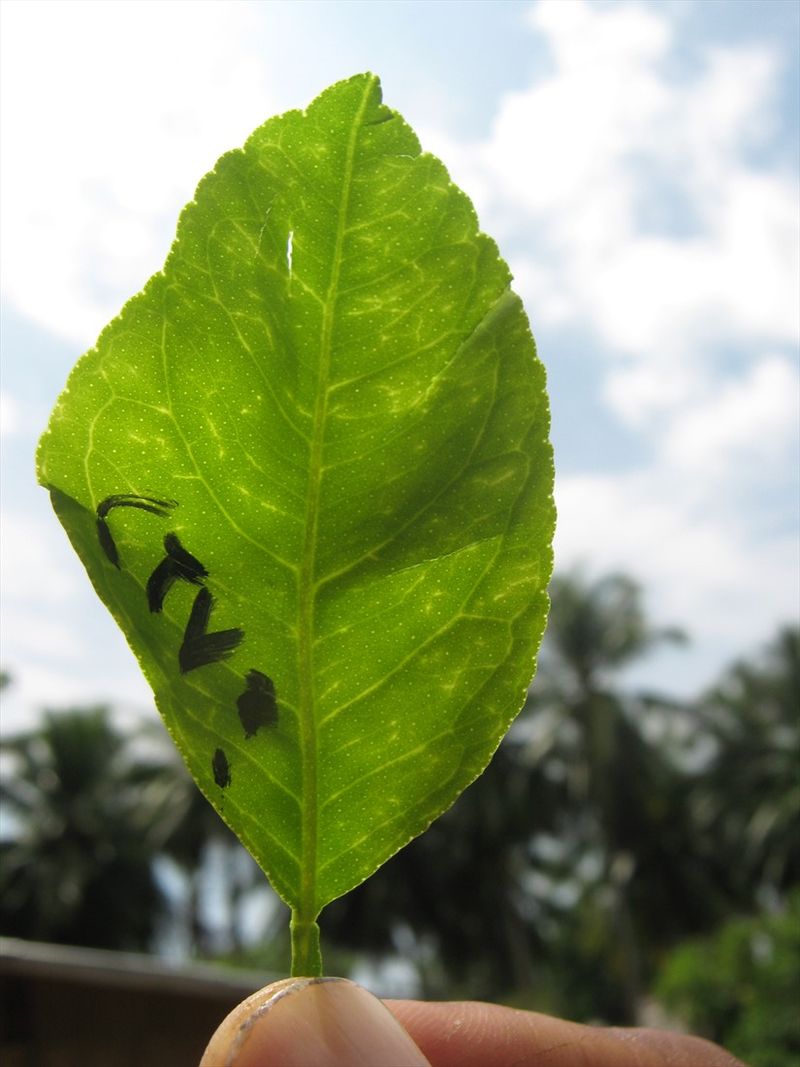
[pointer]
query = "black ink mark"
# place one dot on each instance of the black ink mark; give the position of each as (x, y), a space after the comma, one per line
(199, 647)
(126, 500)
(257, 704)
(221, 769)
(132, 500)
(177, 564)
(107, 542)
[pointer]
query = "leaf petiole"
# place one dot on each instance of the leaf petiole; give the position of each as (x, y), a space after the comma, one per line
(306, 955)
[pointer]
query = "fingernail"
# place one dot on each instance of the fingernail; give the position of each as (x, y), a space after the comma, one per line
(312, 1022)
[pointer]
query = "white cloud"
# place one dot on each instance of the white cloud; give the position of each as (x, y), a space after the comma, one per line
(637, 212)
(32, 555)
(40, 683)
(111, 113)
(20, 416)
(699, 570)
(743, 431)
(53, 639)
(664, 300)
(691, 524)
(584, 166)
(565, 136)
(9, 415)
(59, 644)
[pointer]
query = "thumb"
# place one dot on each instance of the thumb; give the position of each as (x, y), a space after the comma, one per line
(299, 1022)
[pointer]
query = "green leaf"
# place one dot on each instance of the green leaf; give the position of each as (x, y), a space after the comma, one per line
(307, 470)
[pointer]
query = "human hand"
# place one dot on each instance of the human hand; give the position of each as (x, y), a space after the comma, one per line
(331, 1022)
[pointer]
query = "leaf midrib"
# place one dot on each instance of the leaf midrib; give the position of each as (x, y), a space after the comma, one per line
(308, 909)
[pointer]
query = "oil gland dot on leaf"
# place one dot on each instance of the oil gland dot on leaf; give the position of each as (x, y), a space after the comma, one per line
(257, 705)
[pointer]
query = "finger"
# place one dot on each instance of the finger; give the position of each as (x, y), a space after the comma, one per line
(468, 1034)
(327, 1022)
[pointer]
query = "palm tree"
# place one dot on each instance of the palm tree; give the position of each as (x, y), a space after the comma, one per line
(454, 901)
(77, 855)
(747, 803)
(191, 834)
(622, 812)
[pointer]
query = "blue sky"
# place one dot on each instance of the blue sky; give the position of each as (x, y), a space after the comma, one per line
(638, 165)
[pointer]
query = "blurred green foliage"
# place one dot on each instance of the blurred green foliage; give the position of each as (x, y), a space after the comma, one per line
(76, 866)
(741, 986)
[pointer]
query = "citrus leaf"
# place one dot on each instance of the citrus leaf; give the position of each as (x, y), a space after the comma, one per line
(307, 470)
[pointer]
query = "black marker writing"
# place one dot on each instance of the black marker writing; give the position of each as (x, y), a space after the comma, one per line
(257, 704)
(221, 769)
(200, 648)
(125, 500)
(177, 564)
